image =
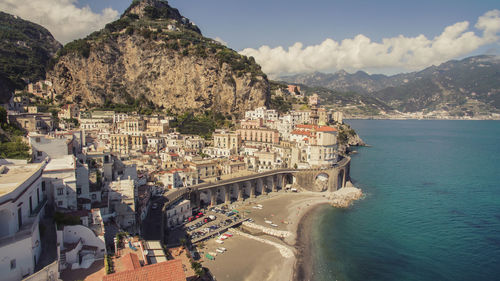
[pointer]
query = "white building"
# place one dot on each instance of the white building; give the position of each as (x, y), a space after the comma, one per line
(262, 113)
(177, 178)
(68, 183)
(178, 212)
(318, 144)
(22, 198)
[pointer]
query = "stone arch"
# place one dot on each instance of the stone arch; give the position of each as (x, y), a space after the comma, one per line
(234, 192)
(341, 179)
(259, 187)
(220, 195)
(246, 189)
(205, 197)
(321, 181)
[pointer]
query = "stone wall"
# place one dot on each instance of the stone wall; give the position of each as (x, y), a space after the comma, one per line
(330, 179)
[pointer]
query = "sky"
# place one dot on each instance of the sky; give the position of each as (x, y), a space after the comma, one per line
(291, 36)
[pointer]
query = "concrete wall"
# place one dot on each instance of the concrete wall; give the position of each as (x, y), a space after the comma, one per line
(73, 233)
(50, 273)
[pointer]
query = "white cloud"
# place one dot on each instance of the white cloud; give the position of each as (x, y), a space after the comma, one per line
(62, 18)
(409, 53)
(218, 39)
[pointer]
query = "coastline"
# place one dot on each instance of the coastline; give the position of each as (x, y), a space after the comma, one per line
(304, 261)
(261, 252)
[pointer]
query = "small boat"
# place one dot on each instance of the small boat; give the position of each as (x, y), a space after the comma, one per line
(268, 222)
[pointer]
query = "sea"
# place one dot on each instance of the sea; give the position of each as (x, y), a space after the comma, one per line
(431, 210)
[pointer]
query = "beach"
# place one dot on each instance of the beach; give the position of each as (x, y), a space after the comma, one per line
(261, 251)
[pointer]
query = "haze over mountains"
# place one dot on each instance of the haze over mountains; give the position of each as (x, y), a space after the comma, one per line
(469, 87)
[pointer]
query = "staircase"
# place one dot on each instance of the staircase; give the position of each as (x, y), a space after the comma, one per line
(62, 261)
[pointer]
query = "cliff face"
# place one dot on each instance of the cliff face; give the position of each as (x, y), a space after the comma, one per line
(25, 50)
(155, 55)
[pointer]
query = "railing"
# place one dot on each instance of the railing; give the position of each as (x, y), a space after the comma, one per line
(36, 211)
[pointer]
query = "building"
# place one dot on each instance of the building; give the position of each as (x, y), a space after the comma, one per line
(314, 100)
(22, 201)
(55, 145)
(33, 122)
(132, 126)
(125, 143)
(176, 178)
(177, 213)
(338, 117)
(68, 183)
(294, 89)
(318, 144)
(69, 111)
(262, 113)
(204, 168)
(227, 140)
(259, 135)
(122, 201)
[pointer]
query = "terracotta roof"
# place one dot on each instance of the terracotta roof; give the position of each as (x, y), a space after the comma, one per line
(163, 271)
(299, 132)
(305, 126)
(326, 129)
(130, 262)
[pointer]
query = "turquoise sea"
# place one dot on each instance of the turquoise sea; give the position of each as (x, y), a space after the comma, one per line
(432, 206)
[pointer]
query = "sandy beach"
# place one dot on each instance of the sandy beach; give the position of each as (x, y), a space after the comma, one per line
(265, 252)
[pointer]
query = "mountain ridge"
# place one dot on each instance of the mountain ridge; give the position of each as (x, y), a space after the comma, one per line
(468, 87)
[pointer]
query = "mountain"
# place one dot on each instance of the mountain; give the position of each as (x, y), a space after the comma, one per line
(153, 55)
(25, 51)
(360, 82)
(468, 87)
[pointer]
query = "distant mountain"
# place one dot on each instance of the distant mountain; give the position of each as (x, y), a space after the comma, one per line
(469, 87)
(25, 51)
(154, 57)
(360, 82)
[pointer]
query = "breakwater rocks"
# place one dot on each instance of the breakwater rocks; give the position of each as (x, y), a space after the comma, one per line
(344, 197)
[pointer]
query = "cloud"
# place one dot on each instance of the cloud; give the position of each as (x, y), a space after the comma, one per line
(409, 53)
(218, 39)
(62, 18)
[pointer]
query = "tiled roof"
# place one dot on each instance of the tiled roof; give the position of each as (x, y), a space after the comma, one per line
(163, 271)
(326, 129)
(299, 132)
(130, 261)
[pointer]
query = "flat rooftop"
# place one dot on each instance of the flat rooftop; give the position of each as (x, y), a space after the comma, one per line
(12, 176)
(66, 162)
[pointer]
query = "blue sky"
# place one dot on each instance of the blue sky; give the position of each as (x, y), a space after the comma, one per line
(293, 36)
(244, 24)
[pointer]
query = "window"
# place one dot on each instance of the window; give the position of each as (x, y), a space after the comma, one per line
(39, 153)
(94, 197)
(78, 190)
(43, 186)
(59, 203)
(60, 191)
(12, 264)
(37, 139)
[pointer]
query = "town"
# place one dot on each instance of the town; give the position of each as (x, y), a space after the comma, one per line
(106, 195)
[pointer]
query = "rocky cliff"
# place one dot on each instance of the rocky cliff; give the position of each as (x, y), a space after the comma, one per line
(152, 54)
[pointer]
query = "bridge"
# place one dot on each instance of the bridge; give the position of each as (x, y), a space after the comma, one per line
(252, 186)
